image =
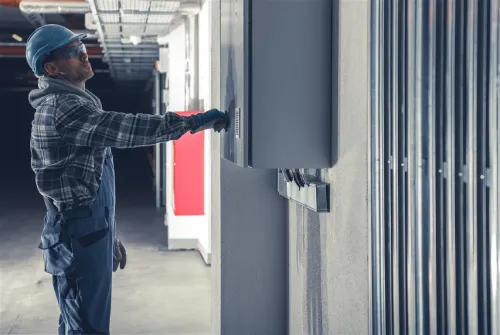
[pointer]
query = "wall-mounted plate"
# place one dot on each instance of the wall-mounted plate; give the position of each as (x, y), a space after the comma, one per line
(277, 93)
(315, 195)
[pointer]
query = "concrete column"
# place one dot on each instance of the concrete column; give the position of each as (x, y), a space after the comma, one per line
(253, 261)
(329, 269)
(214, 18)
(249, 253)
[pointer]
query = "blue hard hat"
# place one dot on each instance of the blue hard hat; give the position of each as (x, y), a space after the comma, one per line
(44, 40)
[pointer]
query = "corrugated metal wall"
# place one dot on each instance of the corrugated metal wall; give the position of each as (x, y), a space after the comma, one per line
(435, 231)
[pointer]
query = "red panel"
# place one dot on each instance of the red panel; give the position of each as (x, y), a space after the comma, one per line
(189, 166)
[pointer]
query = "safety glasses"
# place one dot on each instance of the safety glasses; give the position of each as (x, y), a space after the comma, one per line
(68, 52)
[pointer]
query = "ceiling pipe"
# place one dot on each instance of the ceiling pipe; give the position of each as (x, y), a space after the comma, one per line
(93, 9)
(54, 7)
(15, 3)
(10, 3)
(83, 7)
(19, 49)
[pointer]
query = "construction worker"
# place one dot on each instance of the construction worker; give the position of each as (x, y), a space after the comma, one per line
(71, 141)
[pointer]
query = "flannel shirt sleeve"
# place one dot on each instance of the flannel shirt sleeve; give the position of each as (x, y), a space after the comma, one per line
(86, 125)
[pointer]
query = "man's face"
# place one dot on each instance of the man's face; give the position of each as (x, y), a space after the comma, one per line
(71, 62)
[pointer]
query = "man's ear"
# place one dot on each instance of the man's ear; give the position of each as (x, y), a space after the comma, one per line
(51, 69)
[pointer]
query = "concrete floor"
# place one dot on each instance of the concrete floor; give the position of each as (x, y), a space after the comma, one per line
(159, 292)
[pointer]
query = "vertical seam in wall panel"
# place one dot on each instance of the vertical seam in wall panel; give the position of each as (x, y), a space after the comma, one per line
(377, 316)
(450, 171)
(471, 228)
(431, 171)
(411, 254)
(287, 269)
(494, 80)
(396, 317)
(371, 222)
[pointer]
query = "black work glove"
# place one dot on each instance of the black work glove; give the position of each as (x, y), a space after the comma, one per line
(119, 255)
(211, 119)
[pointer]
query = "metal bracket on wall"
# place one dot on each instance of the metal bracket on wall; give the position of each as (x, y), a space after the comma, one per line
(314, 195)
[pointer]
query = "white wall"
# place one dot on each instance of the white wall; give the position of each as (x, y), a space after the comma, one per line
(176, 69)
(177, 102)
(215, 190)
(184, 75)
(204, 88)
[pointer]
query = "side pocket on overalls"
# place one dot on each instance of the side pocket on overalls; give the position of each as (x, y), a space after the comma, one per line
(90, 241)
(56, 248)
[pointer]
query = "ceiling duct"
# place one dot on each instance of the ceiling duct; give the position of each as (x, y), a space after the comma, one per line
(10, 3)
(82, 7)
(8, 50)
(54, 7)
(128, 31)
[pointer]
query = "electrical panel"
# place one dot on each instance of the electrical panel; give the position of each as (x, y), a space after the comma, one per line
(276, 82)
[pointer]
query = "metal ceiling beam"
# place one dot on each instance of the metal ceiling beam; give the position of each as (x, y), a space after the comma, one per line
(133, 56)
(134, 47)
(81, 7)
(139, 68)
(148, 52)
(130, 45)
(145, 62)
(7, 49)
(119, 39)
(143, 56)
(125, 24)
(138, 12)
(53, 7)
(127, 55)
(137, 61)
(134, 77)
(125, 79)
(112, 57)
(131, 65)
(128, 33)
(164, 1)
(144, 70)
(93, 9)
(35, 19)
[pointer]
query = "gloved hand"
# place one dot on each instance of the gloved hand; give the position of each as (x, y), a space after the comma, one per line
(119, 255)
(211, 119)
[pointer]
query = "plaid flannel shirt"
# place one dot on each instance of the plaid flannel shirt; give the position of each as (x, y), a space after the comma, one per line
(69, 138)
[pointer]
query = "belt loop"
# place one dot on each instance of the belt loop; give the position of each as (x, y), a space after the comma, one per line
(106, 212)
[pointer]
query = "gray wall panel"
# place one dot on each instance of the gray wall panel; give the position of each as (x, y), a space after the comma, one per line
(329, 288)
(253, 252)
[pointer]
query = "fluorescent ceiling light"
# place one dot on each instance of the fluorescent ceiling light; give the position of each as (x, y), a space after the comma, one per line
(17, 37)
(162, 40)
(135, 39)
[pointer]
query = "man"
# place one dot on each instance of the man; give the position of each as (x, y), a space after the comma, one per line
(70, 147)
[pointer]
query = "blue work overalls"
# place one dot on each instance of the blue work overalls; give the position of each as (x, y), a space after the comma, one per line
(77, 247)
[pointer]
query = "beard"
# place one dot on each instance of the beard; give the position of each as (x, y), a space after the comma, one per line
(81, 75)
